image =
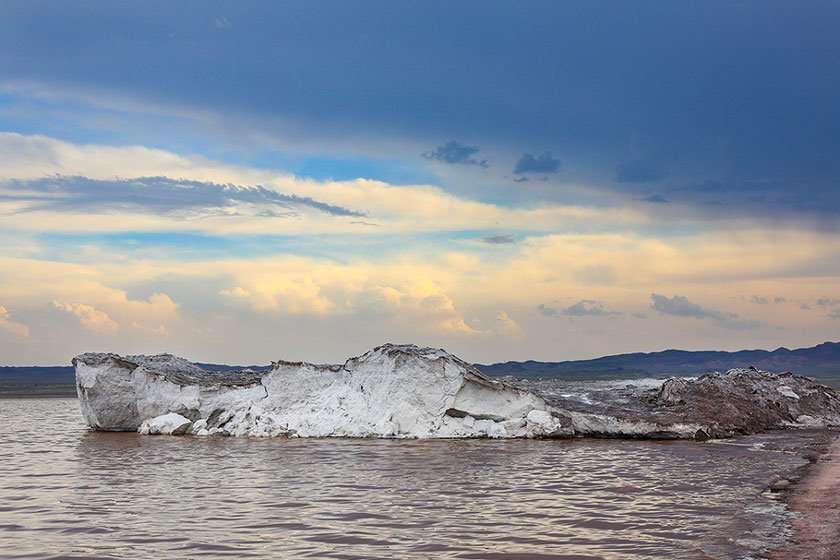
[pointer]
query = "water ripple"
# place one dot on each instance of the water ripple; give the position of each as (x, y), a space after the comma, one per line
(66, 492)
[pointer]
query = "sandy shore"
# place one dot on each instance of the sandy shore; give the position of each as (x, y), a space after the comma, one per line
(816, 501)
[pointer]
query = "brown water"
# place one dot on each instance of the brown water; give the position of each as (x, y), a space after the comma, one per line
(67, 492)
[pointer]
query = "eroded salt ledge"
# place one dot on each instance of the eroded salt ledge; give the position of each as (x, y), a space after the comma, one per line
(403, 391)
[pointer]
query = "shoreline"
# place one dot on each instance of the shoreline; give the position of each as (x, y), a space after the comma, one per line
(813, 496)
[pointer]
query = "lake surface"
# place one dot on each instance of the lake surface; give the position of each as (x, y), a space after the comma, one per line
(66, 492)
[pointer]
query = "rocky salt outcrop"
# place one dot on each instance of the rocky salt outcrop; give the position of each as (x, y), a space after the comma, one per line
(170, 424)
(402, 391)
(391, 391)
(749, 401)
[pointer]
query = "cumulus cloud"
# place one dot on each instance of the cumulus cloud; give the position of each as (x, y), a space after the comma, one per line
(10, 326)
(680, 306)
(89, 317)
(159, 195)
(505, 325)
(543, 163)
(583, 308)
(638, 171)
(456, 153)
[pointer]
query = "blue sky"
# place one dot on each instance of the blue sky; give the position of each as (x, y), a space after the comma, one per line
(450, 170)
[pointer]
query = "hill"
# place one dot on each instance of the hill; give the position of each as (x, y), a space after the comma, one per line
(822, 360)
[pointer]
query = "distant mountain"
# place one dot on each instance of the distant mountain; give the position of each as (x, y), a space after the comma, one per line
(59, 375)
(821, 360)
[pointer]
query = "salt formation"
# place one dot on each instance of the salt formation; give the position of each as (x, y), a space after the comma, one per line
(391, 391)
(402, 391)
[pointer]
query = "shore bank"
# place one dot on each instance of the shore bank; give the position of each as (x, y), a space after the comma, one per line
(815, 500)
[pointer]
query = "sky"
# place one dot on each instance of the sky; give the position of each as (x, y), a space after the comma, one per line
(246, 182)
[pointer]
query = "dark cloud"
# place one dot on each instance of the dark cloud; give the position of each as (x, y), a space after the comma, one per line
(543, 163)
(583, 308)
(827, 302)
(656, 199)
(680, 306)
(499, 239)
(779, 299)
(456, 153)
(155, 195)
(344, 71)
(638, 171)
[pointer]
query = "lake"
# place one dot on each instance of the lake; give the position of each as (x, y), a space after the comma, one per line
(66, 492)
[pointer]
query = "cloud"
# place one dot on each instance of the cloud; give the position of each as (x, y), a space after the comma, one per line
(638, 171)
(779, 299)
(835, 314)
(656, 199)
(237, 292)
(152, 194)
(12, 327)
(680, 306)
(456, 153)
(395, 209)
(89, 317)
(556, 100)
(543, 163)
(221, 22)
(828, 302)
(759, 300)
(583, 308)
(505, 325)
(499, 239)
(159, 330)
(588, 307)
(436, 297)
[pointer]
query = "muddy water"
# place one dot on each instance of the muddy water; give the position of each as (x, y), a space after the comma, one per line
(67, 492)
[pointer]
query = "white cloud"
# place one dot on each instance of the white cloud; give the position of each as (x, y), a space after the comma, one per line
(89, 317)
(505, 325)
(12, 327)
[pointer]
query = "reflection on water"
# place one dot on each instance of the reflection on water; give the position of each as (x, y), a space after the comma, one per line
(67, 492)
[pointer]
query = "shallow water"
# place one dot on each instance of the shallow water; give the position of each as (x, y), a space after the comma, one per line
(67, 492)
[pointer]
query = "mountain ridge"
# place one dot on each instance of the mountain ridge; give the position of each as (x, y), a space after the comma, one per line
(820, 360)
